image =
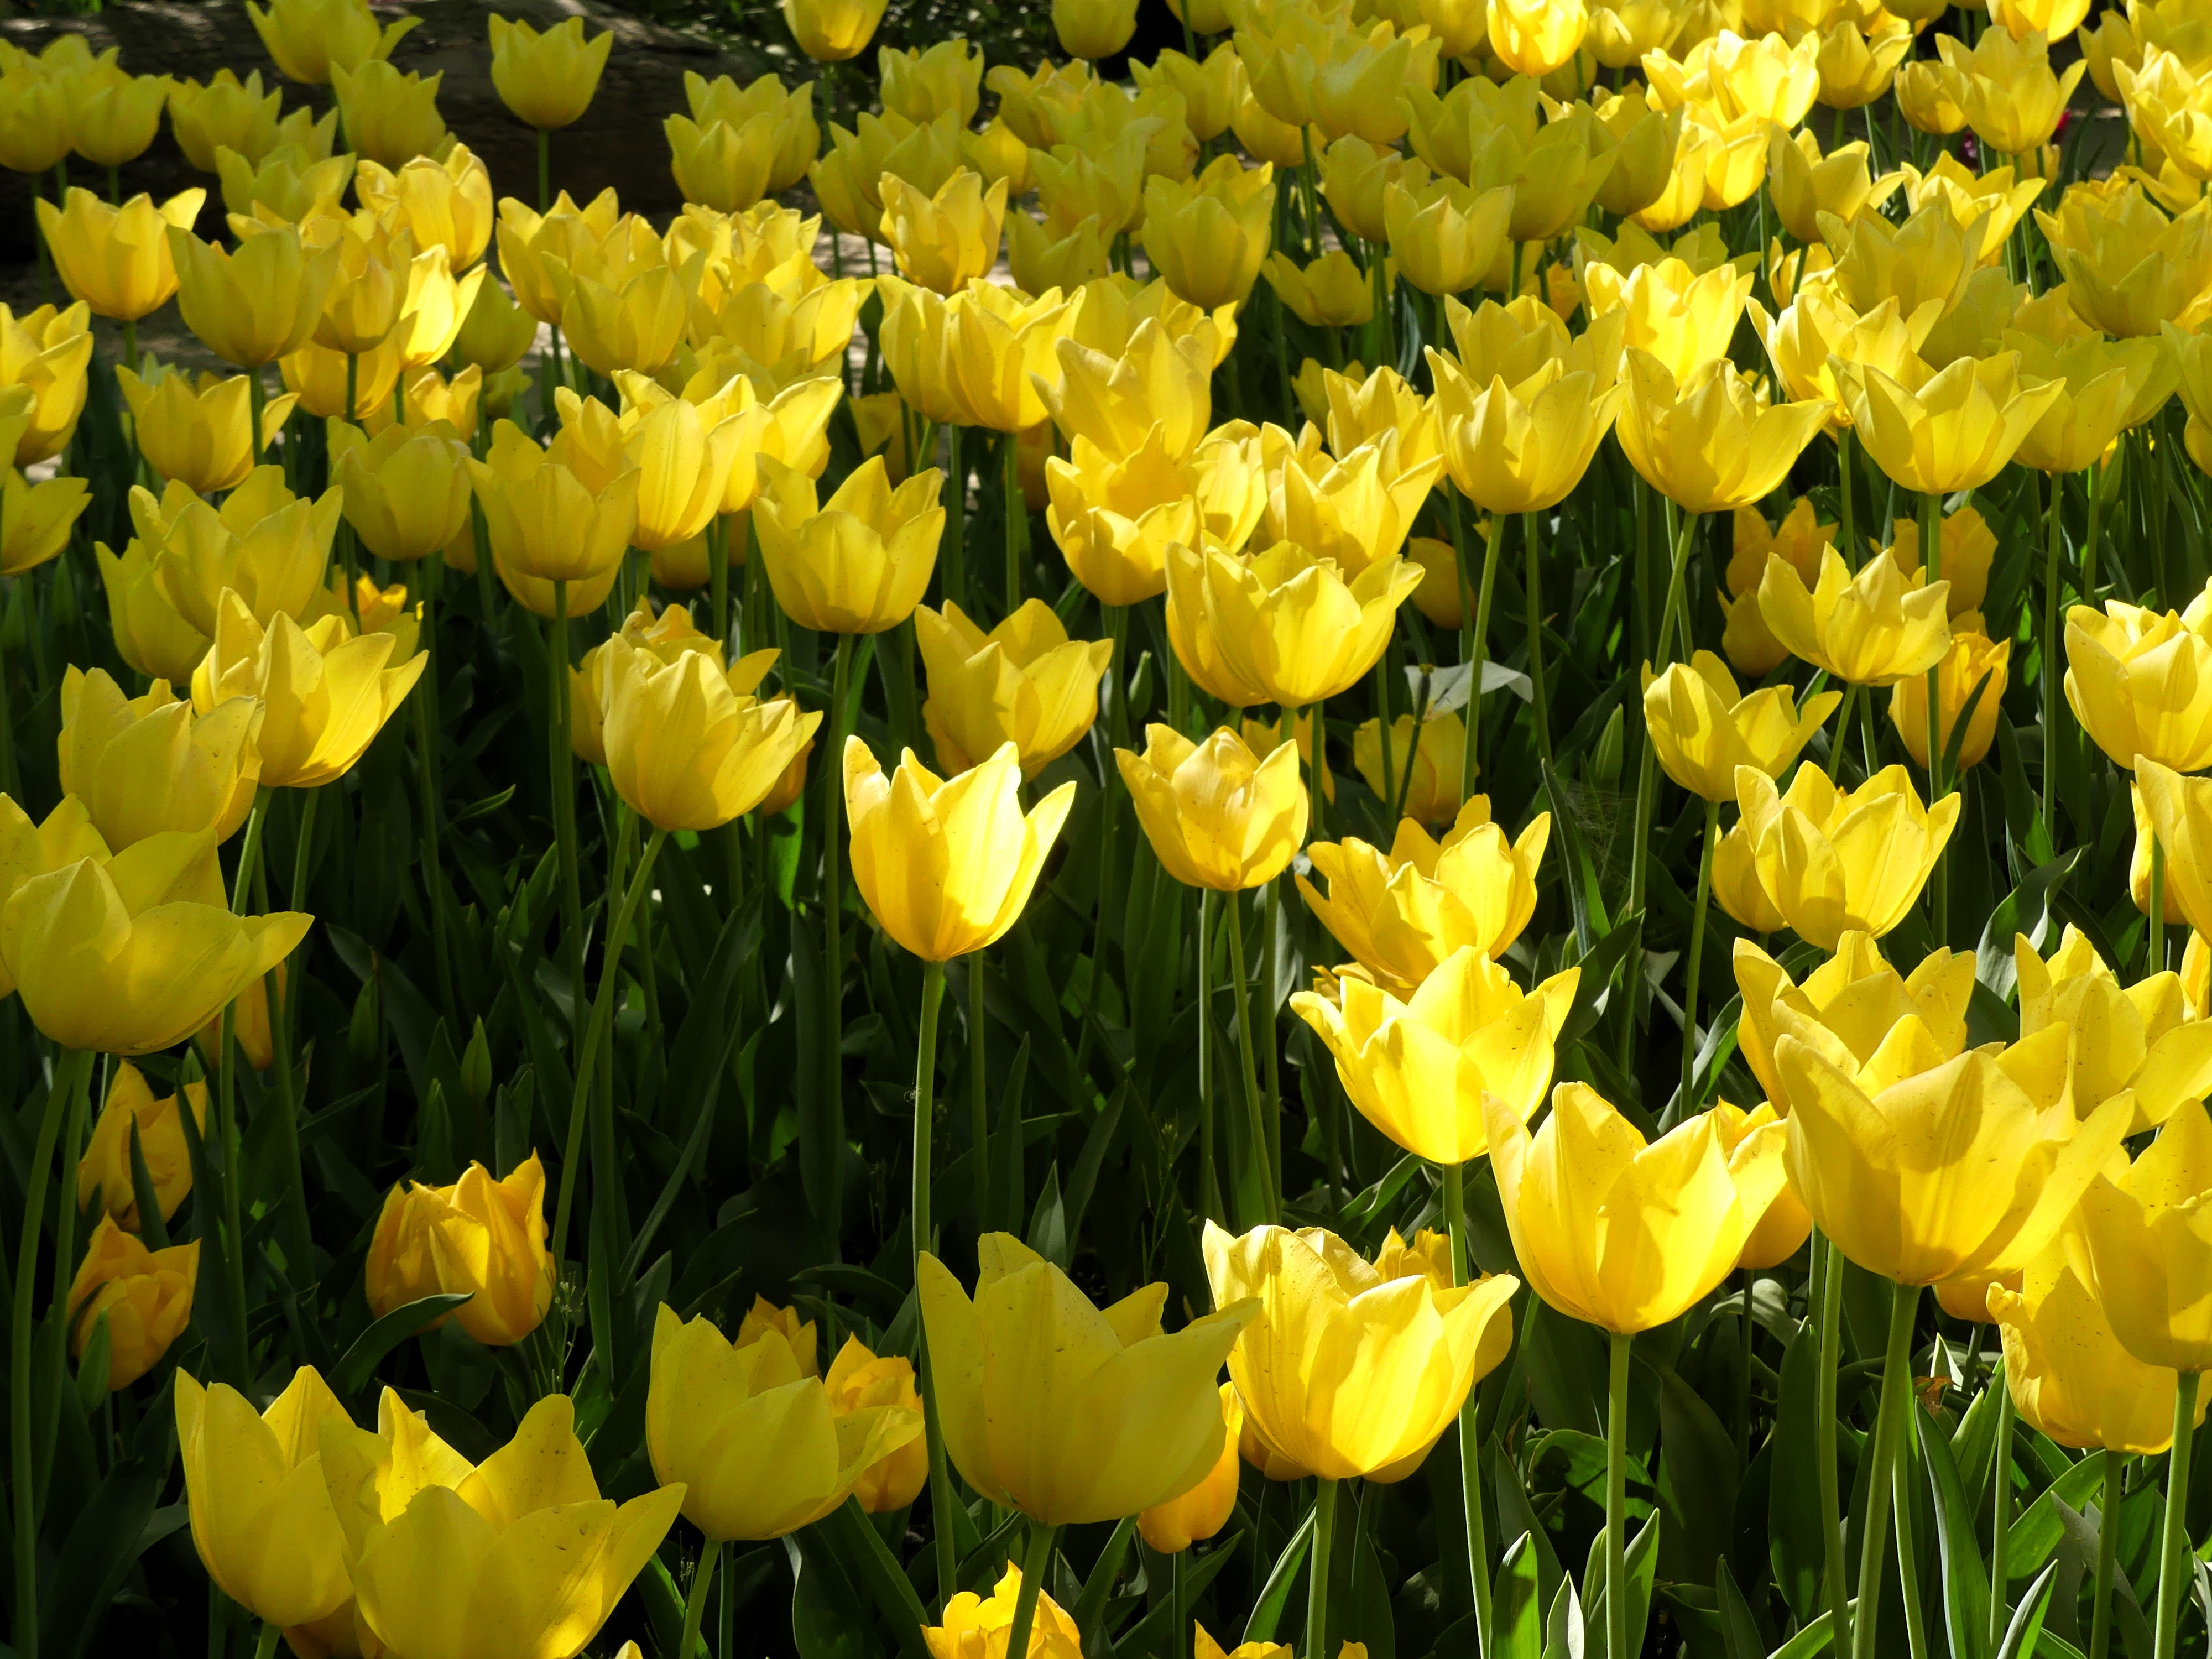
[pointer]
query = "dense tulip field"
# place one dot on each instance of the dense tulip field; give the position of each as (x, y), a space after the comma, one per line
(1299, 921)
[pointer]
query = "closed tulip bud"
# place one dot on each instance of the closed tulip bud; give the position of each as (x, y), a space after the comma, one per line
(946, 864)
(2129, 267)
(34, 131)
(1644, 143)
(1783, 1230)
(481, 1238)
(117, 260)
(261, 1515)
(756, 1444)
(2067, 1373)
(1655, 1228)
(982, 1627)
(545, 522)
(2136, 680)
(518, 1559)
(1387, 1361)
(1402, 913)
(1928, 97)
(1419, 1070)
(1877, 1157)
(1535, 37)
(861, 1383)
(144, 1296)
(1217, 815)
(325, 692)
(857, 564)
(1038, 261)
(1431, 793)
(1093, 28)
(1444, 235)
(1834, 861)
(256, 304)
(407, 492)
(1284, 626)
(200, 436)
(721, 166)
(685, 749)
(1976, 663)
(496, 332)
(390, 117)
(113, 116)
(132, 1112)
(1681, 316)
(1874, 629)
(1714, 442)
(547, 79)
(1208, 238)
(368, 291)
(1736, 887)
(1330, 293)
(1521, 448)
(831, 31)
(143, 765)
(943, 240)
(310, 37)
(1703, 730)
(1173, 1526)
(1857, 64)
(1023, 683)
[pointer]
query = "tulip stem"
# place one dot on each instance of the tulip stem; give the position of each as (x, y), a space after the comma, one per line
(276, 1004)
(1270, 1194)
(1904, 1487)
(2173, 1552)
(1480, 658)
(952, 562)
(2053, 546)
(1036, 1563)
(2000, 1513)
(587, 1053)
(544, 170)
(833, 903)
(1389, 739)
(563, 766)
(1824, 1428)
(1470, 1440)
(1317, 1560)
(718, 578)
(1014, 514)
(1209, 1199)
(979, 1092)
(1931, 559)
(1849, 536)
(61, 1095)
(256, 398)
(941, 1481)
(1888, 1431)
(2157, 937)
(1616, 1502)
(695, 1604)
(1536, 612)
(2108, 1544)
(1698, 950)
(264, 1646)
(1466, 647)
(1685, 532)
(925, 1101)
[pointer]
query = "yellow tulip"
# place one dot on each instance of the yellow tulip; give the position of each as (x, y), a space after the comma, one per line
(318, 378)
(309, 37)
(287, 183)
(1355, 177)
(946, 864)
(479, 1238)
(943, 240)
(1683, 317)
(1521, 448)
(261, 1516)
(1783, 1230)
(860, 1382)
(1973, 657)
(151, 635)
(1805, 184)
(199, 435)
(1039, 260)
(1420, 1069)
(145, 1297)
(1209, 236)
(1402, 913)
(1093, 28)
(2069, 1377)
(923, 84)
(1023, 683)
(1355, 510)
(442, 203)
(2149, 1260)
(1650, 1229)
(1773, 74)
(830, 31)
(2137, 679)
(754, 1441)
(1330, 293)
(1444, 235)
(547, 79)
(1066, 1412)
(1923, 1169)
(1441, 595)
(34, 131)
(142, 765)
(1343, 1371)
(256, 304)
(226, 112)
(29, 850)
(1159, 380)
(1834, 861)
(982, 1627)
(45, 352)
(407, 492)
(2011, 98)
(1714, 442)
(1874, 629)
(1217, 815)
(1703, 730)
(117, 260)
(390, 117)
(1535, 37)
(132, 1112)
(1969, 546)
(1173, 1525)
(685, 749)
(857, 564)
(1646, 144)
(1208, 86)
(666, 636)
(634, 322)
(1432, 794)
(544, 521)
(518, 1559)
(1114, 521)
(325, 692)
(2129, 267)
(267, 545)
(2140, 1038)
(1287, 626)
(1858, 65)
(1736, 886)
(369, 288)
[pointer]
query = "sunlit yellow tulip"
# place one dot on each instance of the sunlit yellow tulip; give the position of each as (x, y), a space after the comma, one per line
(1023, 683)
(858, 1381)
(547, 79)
(257, 303)
(200, 436)
(2012, 99)
(1535, 37)
(1208, 237)
(1704, 730)
(1289, 628)
(2139, 1038)
(1445, 236)
(545, 522)
(1715, 442)
(117, 260)
(1521, 448)
(857, 563)
(407, 493)
(1874, 629)
(1330, 293)
(2140, 681)
(1973, 657)
(1834, 859)
(1217, 815)
(981, 1626)
(1683, 317)
(390, 117)
(142, 765)
(2069, 1377)
(830, 31)
(2129, 266)
(945, 239)
(685, 749)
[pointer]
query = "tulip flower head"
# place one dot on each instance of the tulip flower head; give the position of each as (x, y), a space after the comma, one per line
(1217, 815)
(117, 259)
(481, 1238)
(685, 748)
(1834, 861)
(1874, 629)
(862, 1381)
(1173, 1525)
(1714, 442)
(981, 1626)
(1425, 770)
(1282, 625)
(143, 1297)
(144, 765)
(2069, 1377)
(1704, 730)
(2137, 681)
(1343, 1370)
(547, 79)
(1023, 683)
(131, 1113)
(857, 563)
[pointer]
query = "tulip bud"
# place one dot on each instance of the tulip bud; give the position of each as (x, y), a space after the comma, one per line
(390, 117)
(1875, 628)
(481, 1237)
(145, 1296)
(857, 564)
(547, 79)
(1217, 816)
(1975, 662)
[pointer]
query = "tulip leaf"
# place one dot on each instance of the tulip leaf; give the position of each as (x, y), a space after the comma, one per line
(2024, 1634)
(1267, 1610)
(824, 1603)
(2026, 909)
(1563, 1628)
(153, 1226)
(93, 1364)
(1090, 1606)
(1516, 1516)
(1517, 1621)
(1697, 1475)
(868, 1562)
(1372, 1619)
(1794, 1529)
(1965, 1575)
(1740, 1637)
(358, 1366)
(1149, 1633)
(109, 1534)
(2036, 1530)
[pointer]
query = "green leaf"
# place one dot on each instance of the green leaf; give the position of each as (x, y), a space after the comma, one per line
(1795, 1537)
(1965, 1575)
(368, 1350)
(2024, 1635)
(825, 1604)
(1738, 1630)
(2036, 1532)
(1090, 1606)
(113, 1529)
(1563, 1628)
(1517, 1621)
(1275, 1595)
(868, 1561)
(1372, 1620)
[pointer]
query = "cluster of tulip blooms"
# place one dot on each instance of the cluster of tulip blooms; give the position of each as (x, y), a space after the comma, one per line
(1964, 418)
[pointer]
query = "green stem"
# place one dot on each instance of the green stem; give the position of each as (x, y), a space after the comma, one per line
(952, 562)
(602, 1012)
(833, 894)
(718, 578)
(1837, 749)
(1848, 535)
(1616, 1502)
(234, 1255)
(2157, 938)
(2053, 631)
(2001, 1515)
(1209, 1196)
(563, 763)
(1824, 1436)
(2173, 1553)
(1014, 512)
(544, 170)
(1387, 738)
(1317, 1559)
(1473, 769)
(695, 1605)
(1035, 1563)
(2108, 1544)
(265, 1646)
(1889, 1430)
(257, 398)
(1178, 1592)
(1470, 1447)
(1905, 1487)
(1271, 1201)
(1468, 653)
(61, 1095)
(1535, 602)
(1698, 948)
(1675, 580)
(925, 1101)
(941, 1486)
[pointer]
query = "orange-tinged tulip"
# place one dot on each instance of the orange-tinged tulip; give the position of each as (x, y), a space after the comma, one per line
(479, 1238)
(143, 1297)
(1973, 658)
(131, 1113)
